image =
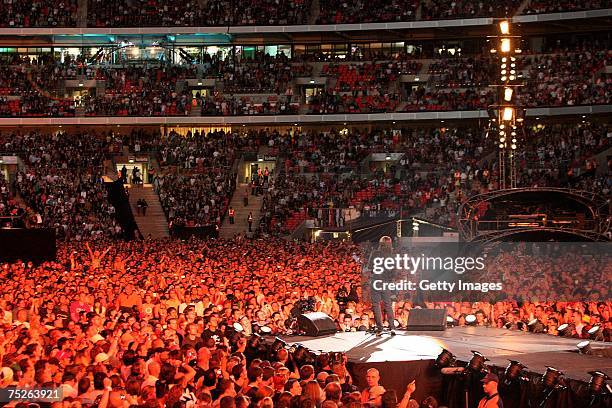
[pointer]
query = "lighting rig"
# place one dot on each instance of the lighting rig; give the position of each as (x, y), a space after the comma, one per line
(506, 117)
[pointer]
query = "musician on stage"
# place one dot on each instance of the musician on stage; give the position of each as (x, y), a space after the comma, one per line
(385, 248)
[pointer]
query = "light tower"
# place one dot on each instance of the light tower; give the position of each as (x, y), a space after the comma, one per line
(507, 115)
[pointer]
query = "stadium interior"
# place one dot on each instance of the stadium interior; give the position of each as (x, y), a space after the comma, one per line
(192, 194)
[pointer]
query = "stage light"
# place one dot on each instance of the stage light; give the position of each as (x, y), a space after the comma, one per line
(508, 94)
(502, 133)
(504, 59)
(477, 362)
(501, 145)
(503, 66)
(238, 327)
(513, 147)
(504, 78)
(597, 383)
(505, 45)
(470, 319)
(512, 77)
(504, 72)
(551, 377)
(534, 326)
(595, 333)
(563, 330)
(200, 83)
(504, 27)
(512, 59)
(278, 344)
(513, 140)
(450, 322)
(507, 114)
(502, 139)
(388, 157)
(513, 371)
(584, 347)
(444, 359)
(502, 126)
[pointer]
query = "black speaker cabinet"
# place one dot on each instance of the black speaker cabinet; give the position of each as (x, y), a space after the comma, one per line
(316, 324)
(427, 319)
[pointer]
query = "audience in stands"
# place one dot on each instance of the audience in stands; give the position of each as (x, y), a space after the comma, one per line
(38, 13)
(62, 182)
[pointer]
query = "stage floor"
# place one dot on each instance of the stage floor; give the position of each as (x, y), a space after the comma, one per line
(536, 351)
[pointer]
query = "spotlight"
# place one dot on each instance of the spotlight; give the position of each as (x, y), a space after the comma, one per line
(534, 326)
(450, 322)
(444, 359)
(502, 139)
(508, 114)
(278, 344)
(505, 45)
(508, 94)
(504, 27)
(477, 362)
(584, 347)
(563, 330)
(513, 147)
(551, 377)
(595, 333)
(513, 372)
(597, 384)
(470, 319)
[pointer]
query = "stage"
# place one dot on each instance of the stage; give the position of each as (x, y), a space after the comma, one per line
(410, 354)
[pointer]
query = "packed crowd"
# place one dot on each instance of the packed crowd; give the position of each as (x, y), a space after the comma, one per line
(265, 85)
(432, 171)
(436, 9)
(38, 13)
(173, 323)
(61, 182)
(122, 13)
(574, 78)
(341, 12)
(197, 193)
(560, 6)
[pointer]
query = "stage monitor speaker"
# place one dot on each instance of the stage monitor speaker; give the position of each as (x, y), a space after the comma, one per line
(427, 319)
(316, 324)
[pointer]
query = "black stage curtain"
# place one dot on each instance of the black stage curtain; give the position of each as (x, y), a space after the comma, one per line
(183, 232)
(35, 244)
